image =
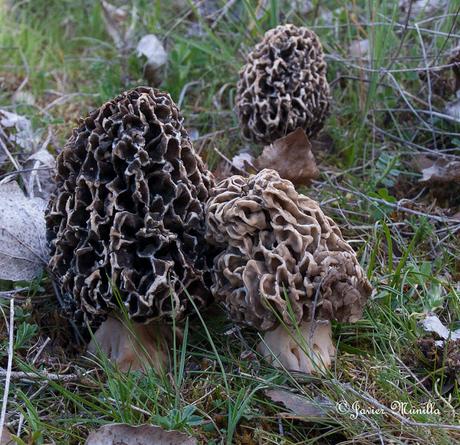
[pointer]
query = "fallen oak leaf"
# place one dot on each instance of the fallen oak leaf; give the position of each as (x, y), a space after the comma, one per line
(23, 249)
(299, 405)
(123, 434)
(291, 157)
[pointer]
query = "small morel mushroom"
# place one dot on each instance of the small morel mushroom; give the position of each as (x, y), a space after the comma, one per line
(283, 86)
(129, 213)
(284, 263)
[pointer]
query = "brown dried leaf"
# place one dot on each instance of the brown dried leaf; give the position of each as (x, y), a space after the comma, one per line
(223, 170)
(122, 434)
(300, 406)
(291, 157)
(438, 170)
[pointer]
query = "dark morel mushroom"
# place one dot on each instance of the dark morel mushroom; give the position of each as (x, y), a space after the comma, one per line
(283, 263)
(283, 86)
(128, 216)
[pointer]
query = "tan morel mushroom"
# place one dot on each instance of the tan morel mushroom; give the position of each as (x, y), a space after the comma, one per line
(284, 264)
(128, 216)
(283, 86)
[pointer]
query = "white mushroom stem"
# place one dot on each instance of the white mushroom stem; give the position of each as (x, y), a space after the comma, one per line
(308, 349)
(135, 346)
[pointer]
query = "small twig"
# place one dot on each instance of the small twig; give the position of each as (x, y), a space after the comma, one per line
(215, 133)
(428, 78)
(40, 350)
(349, 64)
(7, 152)
(63, 99)
(280, 427)
(8, 372)
(398, 206)
(133, 407)
(42, 375)
(403, 37)
(20, 423)
(217, 98)
(409, 143)
(359, 79)
(243, 172)
(205, 395)
(404, 98)
(24, 170)
(10, 293)
(449, 34)
(224, 11)
(409, 371)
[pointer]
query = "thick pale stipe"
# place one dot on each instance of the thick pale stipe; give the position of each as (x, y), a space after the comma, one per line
(308, 349)
(137, 348)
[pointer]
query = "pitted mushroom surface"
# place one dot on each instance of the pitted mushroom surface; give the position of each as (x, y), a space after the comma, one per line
(129, 212)
(283, 260)
(283, 86)
(280, 251)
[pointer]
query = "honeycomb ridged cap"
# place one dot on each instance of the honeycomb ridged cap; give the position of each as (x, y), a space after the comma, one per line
(282, 256)
(283, 86)
(129, 212)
